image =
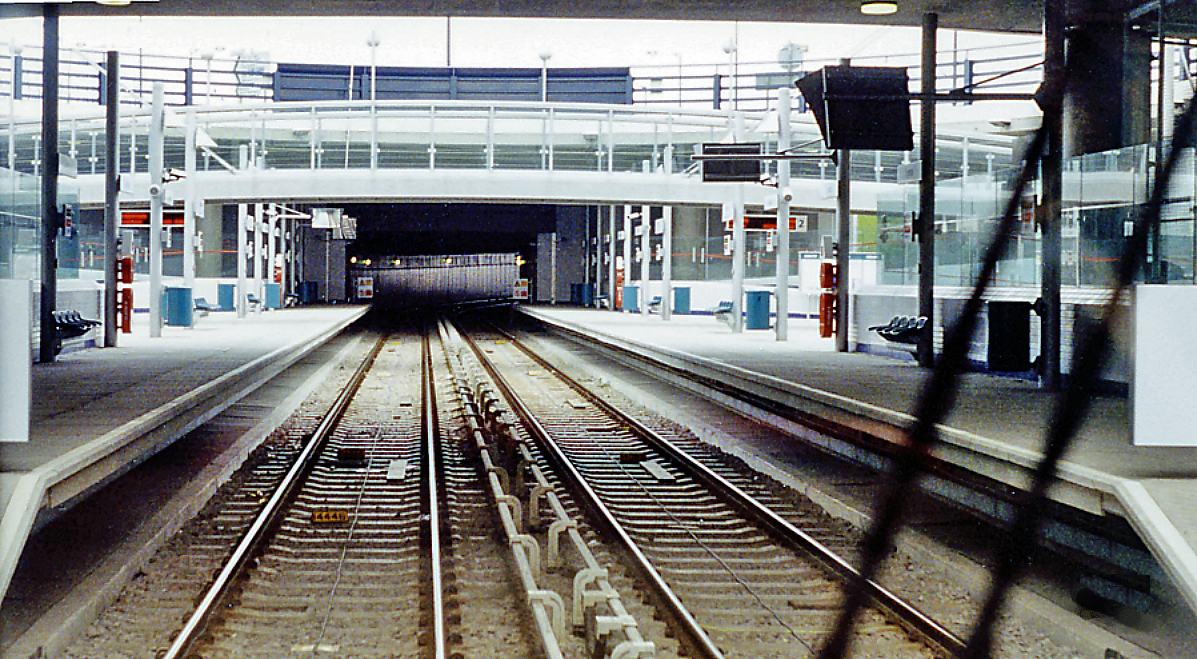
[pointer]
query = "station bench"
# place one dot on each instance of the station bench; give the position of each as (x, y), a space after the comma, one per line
(722, 311)
(203, 306)
(902, 329)
(69, 324)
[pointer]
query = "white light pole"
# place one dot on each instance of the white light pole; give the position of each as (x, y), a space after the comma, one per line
(729, 47)
(373, 43)
(207, 56)
(545, 56)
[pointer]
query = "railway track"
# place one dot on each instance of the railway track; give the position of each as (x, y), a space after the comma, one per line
(490, 507)
(737, 578)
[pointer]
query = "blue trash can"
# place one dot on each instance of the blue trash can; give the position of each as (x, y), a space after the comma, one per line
(226, 294)
(178, 305)
(274, 296)
(757, 310)
(631, 300)
(681, 300)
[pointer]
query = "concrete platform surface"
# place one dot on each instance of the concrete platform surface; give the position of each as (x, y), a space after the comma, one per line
(996, 420)
(95, 413)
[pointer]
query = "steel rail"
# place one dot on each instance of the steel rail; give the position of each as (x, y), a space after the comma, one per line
(696, 636)
(432, 468)
(902, 611)
(259, 530)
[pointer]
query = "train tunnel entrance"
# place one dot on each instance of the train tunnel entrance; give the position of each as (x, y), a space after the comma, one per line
(407, 254)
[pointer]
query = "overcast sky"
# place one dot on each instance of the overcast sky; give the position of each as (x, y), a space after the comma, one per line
(487, 42)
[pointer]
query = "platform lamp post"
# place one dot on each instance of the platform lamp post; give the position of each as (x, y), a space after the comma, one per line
(373, 43)
(729, 47)
(545, 56)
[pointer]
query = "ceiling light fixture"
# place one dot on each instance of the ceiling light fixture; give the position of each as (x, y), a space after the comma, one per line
(114, 3)
(878, 7)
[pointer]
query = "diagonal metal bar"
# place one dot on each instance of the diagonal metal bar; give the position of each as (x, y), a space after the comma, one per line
(1074, 401)
(936, 401)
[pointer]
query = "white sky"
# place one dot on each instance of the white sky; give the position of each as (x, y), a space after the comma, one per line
(488, 42)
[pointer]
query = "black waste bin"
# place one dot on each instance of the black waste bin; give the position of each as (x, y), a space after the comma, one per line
(1009, 336)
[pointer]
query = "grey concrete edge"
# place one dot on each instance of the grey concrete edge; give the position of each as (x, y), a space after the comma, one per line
(1169, 546)
(57, 469)
(17, 523)
(1085, 488)
(58, 628)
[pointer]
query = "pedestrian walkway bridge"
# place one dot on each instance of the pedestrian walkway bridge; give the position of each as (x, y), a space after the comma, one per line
(363, 151)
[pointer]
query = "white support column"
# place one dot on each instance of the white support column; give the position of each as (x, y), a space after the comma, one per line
(667, 239)
(667, 263)
(272, 249)
(598, 255)
(646, 257)
(242, 256)
(189, 202)
(783, 216)
(155, 170)
(738, 238)
(259, 220)
(612, 252)
(627, 244)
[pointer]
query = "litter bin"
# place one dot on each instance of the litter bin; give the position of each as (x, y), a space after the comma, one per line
(681, 300)
(756, 313)
(274, 296)
(177, 303)
(307, 292)
(226, 294)
(1009, 336)
(631, 300)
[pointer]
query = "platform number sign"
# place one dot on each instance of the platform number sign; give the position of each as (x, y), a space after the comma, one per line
(520, 291)
(365, 288)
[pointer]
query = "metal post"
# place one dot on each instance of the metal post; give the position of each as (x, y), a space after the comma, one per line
(242, 253)
(553, 268)
(259, 218)
(627, 245)
(189, 202)
(926, 218)
(843, 252)
(1052, 171)
(738, 237)
(155, 170)
(373, 43)
(612, 247)
(271, 249)
(783, 216)
(646, 256)
(112, 209)
(667, 238)
(667, 262)
(48, 343)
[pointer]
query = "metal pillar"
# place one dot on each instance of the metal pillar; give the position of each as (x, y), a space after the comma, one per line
(48, 342)
(242, 255)
(112, 209)
(156, 237)
(646, 256)
(738, 238)
(1052, 171)
(667, 244)
(612, 249)
(926, 219)
(781, 327)
(259, 290)
(843, 223)
(843, 242)
(667, 263)
(272, 224)
(627, 245)
(189, 202)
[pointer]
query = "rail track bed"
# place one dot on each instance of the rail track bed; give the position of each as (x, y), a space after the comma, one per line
(751, 592)
(465, 499)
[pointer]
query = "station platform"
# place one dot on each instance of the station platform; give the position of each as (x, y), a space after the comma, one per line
(995, 429)
(96, 413)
